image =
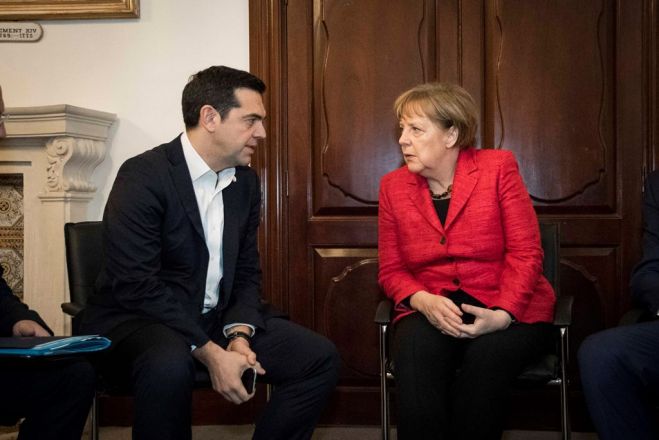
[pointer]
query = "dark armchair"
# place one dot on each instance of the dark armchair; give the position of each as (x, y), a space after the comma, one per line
(84, 257)
(551, 370)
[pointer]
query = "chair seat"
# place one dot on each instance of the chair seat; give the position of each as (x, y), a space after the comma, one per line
(546, 370)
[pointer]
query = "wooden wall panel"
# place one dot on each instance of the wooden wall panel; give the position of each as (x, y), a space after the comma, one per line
(354, 121)
(345, 289)
(549, 80)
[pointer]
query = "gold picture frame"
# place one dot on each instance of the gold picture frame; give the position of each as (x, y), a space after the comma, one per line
(68, 9)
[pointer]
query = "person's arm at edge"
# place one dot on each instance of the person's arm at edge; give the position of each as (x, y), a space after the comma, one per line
(644, 281)
(13, 312)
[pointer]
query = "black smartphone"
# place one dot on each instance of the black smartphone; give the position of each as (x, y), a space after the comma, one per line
(460, 297)
(249, 380)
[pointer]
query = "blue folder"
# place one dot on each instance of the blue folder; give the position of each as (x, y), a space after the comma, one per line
(52, 345)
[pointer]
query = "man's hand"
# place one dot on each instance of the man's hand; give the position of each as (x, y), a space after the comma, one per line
(241, 345)
(439, 310)
(487, 321)
(28, 327)
(225, 369)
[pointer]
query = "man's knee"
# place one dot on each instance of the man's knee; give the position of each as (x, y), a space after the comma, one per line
(600, 351)
(327, 358)
(165, 369)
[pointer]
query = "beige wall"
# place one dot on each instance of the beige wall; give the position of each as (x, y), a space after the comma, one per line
(135, 68)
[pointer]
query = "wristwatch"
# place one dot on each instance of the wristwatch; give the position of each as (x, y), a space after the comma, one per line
(238, 334)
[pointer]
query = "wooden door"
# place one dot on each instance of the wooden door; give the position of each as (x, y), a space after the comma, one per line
(569, 86)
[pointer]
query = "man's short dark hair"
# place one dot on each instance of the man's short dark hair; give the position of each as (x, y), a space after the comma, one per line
(215, 86)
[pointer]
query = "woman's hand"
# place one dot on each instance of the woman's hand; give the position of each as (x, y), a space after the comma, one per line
(487, 321)
(440, 311)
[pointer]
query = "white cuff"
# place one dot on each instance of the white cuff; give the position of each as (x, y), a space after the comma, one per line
(228, 327)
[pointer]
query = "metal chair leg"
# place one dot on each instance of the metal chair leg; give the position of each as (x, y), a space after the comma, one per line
(94, 427)
(384, 388)
(565, 420)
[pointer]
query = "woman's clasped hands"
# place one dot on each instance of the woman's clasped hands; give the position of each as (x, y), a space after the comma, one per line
(446, 316)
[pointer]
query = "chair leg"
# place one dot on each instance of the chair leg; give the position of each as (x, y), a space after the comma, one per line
(94, 428)
(268, 392)
(565, 417)
(384, 388)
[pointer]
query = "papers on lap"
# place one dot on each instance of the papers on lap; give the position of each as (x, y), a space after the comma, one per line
(52, 345)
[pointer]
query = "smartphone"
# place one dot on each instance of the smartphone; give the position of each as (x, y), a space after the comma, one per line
(249, 380)
(460, 297)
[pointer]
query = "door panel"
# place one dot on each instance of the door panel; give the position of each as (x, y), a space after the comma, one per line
(549, 73)
(359, 47)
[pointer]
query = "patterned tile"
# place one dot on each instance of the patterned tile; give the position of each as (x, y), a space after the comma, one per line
(11, 230)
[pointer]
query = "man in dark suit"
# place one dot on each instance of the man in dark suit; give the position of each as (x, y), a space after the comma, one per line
(181, 281)
(620, 366)
(53, 396)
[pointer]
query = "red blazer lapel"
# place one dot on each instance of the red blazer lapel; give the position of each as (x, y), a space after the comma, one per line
(464, 181)
(420, 195)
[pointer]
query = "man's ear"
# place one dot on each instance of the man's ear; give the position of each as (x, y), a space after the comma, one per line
(209, 117)
(451, 136)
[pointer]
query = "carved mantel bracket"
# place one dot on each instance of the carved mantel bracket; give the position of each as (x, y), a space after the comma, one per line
(56, 148)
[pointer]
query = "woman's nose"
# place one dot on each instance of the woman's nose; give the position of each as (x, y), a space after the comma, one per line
(402, 140)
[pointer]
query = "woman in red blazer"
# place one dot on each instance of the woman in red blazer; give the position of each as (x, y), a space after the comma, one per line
(460, 256)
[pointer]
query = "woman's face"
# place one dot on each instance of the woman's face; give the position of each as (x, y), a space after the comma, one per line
(426, 146)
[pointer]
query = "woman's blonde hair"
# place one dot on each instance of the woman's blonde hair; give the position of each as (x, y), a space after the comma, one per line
(447, 105)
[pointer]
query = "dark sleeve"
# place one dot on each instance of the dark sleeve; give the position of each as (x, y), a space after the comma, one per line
(13, 310)
(246, 293)
(645, 276)
(132, 229)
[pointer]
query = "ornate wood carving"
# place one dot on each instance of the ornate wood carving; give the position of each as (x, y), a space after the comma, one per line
(349, 294)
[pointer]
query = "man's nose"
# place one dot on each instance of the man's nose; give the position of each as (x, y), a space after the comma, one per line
(259, 133)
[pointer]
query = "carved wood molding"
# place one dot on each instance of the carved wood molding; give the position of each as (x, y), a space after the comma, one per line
(267, 21)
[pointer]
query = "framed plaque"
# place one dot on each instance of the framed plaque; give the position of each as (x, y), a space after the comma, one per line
(59, 9)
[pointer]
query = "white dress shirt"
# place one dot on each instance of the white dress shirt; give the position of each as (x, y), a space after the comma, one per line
(208, 186)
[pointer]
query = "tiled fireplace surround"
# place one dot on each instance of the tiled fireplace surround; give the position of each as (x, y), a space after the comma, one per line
(55, 149)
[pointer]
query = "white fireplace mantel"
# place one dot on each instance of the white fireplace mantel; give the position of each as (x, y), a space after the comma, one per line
(56, 148)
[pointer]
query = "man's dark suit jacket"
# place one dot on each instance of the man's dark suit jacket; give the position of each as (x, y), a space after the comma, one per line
(156, 258)
(645, 276)
(13, 310)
